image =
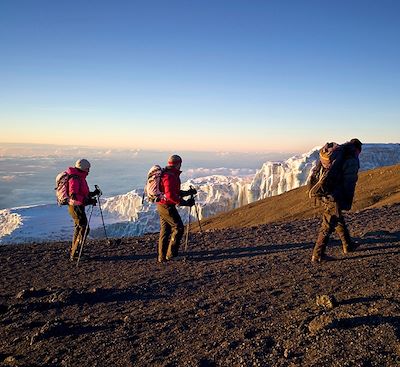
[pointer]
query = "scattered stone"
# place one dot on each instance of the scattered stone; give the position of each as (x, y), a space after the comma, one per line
(34, 338)
(21, 294)
(59, 297)
(127, 319)
(10, 360)
(326, 301)
(319, 323)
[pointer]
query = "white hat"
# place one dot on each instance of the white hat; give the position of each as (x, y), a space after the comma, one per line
(83, 164)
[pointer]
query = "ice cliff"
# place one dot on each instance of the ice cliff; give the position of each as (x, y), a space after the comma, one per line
(220, 193)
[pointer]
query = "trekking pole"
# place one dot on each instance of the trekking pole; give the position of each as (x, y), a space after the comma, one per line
(101, 212)
(198, 219)
(84, 237)
(197, 212)
(187, 231)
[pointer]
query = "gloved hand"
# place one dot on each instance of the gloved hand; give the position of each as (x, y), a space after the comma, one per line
(189, 202)
(95, 193)
(91, 201)
(192, 191)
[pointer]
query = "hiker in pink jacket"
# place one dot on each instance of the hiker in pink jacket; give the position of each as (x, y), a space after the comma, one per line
(80, 196)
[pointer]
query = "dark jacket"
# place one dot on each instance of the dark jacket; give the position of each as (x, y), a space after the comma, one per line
(345, 186)
(170, 185)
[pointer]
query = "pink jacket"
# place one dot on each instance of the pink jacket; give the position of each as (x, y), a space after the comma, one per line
(170, 185)
(78, 186)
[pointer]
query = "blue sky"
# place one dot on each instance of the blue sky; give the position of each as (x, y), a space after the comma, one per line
(200, 75)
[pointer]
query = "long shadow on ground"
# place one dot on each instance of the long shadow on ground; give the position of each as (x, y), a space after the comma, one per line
(217, 254)
(71, 297)
(348, 323)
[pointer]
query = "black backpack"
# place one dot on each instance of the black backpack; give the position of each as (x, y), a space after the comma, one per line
(327, 173)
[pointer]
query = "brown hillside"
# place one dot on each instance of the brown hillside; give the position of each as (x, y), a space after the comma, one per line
(375, 189)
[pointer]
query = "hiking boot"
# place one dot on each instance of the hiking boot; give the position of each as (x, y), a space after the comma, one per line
(322, 258)
(73, 256)
(315, 259)
(171, 257)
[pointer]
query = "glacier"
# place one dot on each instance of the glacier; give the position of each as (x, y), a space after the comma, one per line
(126, 215)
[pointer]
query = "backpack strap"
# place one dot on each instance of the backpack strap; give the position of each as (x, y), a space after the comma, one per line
(73, 176)
(321, 177)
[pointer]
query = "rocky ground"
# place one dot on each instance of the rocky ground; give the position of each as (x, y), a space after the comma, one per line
(243, 297)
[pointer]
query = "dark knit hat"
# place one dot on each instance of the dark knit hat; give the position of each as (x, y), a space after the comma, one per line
(357, 143)
(174, 159)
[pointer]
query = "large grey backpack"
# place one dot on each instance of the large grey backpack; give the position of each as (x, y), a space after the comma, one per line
(152, 188)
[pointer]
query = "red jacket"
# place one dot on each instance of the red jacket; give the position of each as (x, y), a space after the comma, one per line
(170, 185)
(78, 186)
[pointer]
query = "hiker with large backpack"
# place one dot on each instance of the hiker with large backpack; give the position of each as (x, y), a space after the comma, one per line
(73, 190)
(170, 195)
(333, 182)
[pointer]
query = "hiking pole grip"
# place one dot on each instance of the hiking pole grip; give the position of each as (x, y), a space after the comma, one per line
(98, 189)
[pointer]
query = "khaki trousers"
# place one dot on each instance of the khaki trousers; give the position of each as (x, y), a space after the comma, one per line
(171, 231)
(332, 220)
(78, 214)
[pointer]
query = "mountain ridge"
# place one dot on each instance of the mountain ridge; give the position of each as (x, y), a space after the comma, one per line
(375, 188)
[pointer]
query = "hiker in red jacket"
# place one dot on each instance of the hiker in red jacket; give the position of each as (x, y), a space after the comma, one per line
(80, 196)
(171, 226)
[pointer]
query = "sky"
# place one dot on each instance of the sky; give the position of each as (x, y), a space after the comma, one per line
(205, 75)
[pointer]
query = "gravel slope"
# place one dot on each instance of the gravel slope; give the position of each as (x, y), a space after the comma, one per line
(243, 297)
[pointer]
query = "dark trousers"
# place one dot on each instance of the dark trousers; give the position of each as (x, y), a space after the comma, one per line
(171, 231)
(332, 220)
(78, 214)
